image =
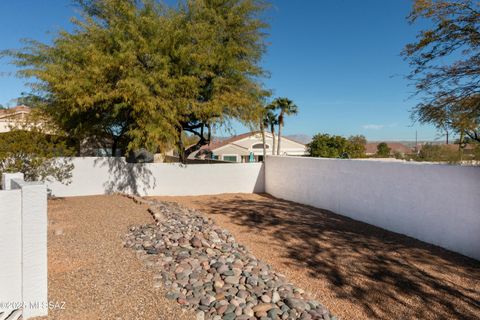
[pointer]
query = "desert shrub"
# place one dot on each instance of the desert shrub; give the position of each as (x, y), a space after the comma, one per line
(383, 150)
(438, 153)
(39, 156)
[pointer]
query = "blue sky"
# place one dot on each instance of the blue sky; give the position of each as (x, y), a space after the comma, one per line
(339, 60)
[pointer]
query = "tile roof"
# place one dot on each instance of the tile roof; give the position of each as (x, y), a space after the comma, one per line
(14, 110)
(215, 143)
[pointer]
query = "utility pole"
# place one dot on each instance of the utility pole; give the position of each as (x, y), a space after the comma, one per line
(416, 142)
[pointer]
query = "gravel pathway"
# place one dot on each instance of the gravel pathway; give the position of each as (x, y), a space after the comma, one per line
(206, 270)
(92, 272)
(356, 270)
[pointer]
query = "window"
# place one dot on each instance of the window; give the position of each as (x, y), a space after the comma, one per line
(215, 157)
(260, 146)
(230, 158)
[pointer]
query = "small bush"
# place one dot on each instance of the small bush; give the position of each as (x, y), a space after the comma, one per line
(36, 155)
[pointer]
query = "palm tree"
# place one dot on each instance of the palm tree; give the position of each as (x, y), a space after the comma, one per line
(263, 124)
(270, 120)
(286, 108)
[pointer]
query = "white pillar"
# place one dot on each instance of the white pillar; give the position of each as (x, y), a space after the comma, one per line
(34, 248)
(10, 250)
(8, 177)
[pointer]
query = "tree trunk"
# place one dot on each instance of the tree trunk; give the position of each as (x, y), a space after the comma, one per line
(460, 145)
(263, 140)
(184, 153)
(114, 147)
(279, 138)
(272, 129)
(280, 125)
(79, 147)
(181, 148)
(474, 135)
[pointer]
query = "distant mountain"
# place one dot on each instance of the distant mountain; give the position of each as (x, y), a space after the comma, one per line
(408, 143)
(302, 138)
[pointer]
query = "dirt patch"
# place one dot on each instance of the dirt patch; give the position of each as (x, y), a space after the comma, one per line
(90, 270)
(357, 270)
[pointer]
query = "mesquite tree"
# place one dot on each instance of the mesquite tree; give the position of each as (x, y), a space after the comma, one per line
(445, 62)
(141, 74)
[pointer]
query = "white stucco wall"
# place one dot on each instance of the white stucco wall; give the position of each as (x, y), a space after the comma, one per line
(4, 126)
(10, 248)
(95, 176)
(23, 246)
(439, 204)
(34, 248)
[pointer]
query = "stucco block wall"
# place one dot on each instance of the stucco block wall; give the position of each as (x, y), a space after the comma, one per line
(439, 204)
(10, 247)
(23, 246)
(96, 176)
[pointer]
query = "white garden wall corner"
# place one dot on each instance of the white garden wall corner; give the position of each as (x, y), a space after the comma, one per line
(23, 247)
(438, 204)
(7, 179)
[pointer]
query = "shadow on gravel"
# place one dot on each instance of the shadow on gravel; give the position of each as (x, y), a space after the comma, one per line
(388, 275)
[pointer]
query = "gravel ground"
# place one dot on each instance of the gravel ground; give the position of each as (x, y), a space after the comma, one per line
(207, 270)
(92, 272)
(356, 270)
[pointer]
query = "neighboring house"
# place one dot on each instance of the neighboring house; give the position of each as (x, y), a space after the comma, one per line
(395, 147)
(247, 147)
(13, 117)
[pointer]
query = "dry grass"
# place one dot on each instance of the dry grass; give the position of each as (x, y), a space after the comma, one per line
(358, 271)
(91, 271)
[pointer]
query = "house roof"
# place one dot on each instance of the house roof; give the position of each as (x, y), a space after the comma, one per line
(216, 143)
(371, 148)
(4, 113)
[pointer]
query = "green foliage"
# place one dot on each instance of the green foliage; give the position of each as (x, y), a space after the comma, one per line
(383, 150)
(439, 153)
(269, 120)
(445, 64)
(452, 153)
(327, 146)
(141, 74)
(35, 154)
(189, 139)
(330, 146)
(285, 107)
(356, 146)
(476, 152)
(400, 155)
(28, 99)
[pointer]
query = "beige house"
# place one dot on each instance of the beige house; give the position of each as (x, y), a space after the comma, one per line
(13, 117)
(247, 147)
